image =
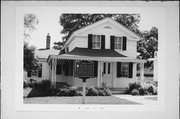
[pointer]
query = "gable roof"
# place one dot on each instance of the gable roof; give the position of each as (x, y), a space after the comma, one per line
(99, 23)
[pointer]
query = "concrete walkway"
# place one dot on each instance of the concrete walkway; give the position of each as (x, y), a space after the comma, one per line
(144, 100)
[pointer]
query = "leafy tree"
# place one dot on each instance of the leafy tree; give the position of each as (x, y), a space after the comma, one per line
(30, 21)
(73, 22)
(148, 45)
(30, 63)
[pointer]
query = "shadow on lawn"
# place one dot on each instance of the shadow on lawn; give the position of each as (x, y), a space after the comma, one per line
(39, 93)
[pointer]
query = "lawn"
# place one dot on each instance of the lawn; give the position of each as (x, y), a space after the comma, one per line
(77, 100)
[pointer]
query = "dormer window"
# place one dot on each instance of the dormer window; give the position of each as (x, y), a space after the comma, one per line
(118, 43)
(96, 42)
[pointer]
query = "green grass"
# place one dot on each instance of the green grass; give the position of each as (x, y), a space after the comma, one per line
(77, 100)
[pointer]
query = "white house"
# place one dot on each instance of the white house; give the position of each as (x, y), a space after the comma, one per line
(41, 55)
(108, 44)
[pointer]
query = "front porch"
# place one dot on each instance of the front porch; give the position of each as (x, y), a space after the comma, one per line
(62, 70)
(110, 67)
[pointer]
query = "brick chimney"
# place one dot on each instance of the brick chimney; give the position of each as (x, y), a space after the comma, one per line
(48, 40)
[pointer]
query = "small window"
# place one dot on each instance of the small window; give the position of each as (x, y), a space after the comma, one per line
(96, 42)
(118, 43)
(40, 71)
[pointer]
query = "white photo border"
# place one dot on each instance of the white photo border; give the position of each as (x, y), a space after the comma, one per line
(20, 106)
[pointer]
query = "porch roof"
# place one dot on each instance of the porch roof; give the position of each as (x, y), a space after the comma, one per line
(95, 52)
(95, 55)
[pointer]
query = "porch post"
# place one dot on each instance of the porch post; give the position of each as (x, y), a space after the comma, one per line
(142, 72)
(101, 70)
(52, 76)
(55, 64)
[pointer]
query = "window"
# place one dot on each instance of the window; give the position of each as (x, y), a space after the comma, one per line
(124, 69)
(96, 42)
(118, 43)
(40, 71)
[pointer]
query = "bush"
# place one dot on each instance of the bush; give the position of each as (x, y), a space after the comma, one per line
(142, 91)
(136, 88)
(132, 86)
(92, 92)
(135, 92)
(67, 92)
(45, 84)
(101, 93)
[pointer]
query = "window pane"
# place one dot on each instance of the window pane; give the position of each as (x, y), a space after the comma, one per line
(124, 69)
(96, 42)
(118, 43)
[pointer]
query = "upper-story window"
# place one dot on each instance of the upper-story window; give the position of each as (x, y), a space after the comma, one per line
(118, 43)
(96, 42)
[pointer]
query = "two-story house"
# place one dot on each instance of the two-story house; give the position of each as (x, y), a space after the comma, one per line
(112, 48)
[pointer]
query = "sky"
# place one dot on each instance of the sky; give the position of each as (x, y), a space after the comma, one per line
(49, 23)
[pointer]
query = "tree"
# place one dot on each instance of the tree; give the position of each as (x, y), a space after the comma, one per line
(73, 22)
(148, 45)
(30, 62)
(30, 21)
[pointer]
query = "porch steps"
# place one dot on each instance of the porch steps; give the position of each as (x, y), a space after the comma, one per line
(116, 91)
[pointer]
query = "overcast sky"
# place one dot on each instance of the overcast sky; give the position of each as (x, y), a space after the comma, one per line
(49, 23)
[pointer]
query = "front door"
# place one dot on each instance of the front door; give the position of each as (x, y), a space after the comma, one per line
(107, 74)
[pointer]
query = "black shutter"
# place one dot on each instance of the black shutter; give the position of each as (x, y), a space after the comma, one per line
(95, 68)
(102, 41)
(90, 41)
(29, 74)
(130, 70)
(118, 69)
(124, 42)
(112, 42)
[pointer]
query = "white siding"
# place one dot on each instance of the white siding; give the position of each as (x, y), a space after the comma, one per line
(45, 73)
(82, 39)
(122, 82)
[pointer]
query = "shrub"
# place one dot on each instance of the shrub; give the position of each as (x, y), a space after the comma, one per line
(142, 91)
(101, 93)
(67, 92)
(107, 92)
(132, 86)
(46, 84)
(92, 92)
(135, 92)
